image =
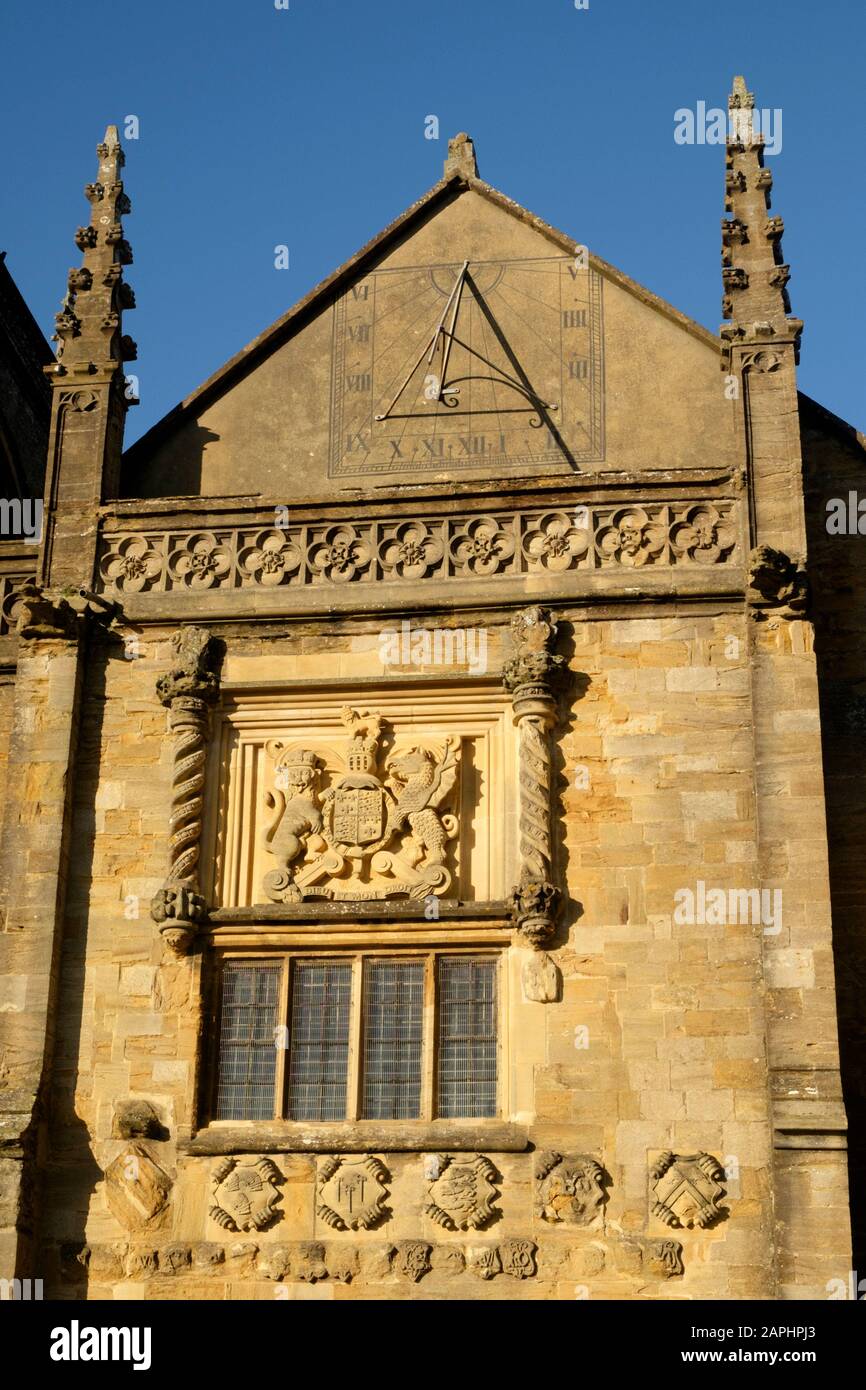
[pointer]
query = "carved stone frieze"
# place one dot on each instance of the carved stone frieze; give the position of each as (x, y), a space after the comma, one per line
(245, 1194)
(341, 1263)
(483, 1261)
(401, 550)
(461, 1197)
(641, 1257)
(351, 1193)
(370, 833)
(412, 1259)
(569, 1188)
(312, 1261)
(663, 1258)
(308, 1263)
(517, 1258)
(188, 690)
(686, 1189)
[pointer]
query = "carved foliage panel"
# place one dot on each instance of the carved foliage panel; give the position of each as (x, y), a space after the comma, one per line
(391, 795)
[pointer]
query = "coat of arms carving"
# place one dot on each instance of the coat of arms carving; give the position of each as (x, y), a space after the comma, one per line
(461, 1198)
(365, 835)
(351, 1193)
(137, 1189)
(569, 1189)
(245, 1194)
(687, 1189)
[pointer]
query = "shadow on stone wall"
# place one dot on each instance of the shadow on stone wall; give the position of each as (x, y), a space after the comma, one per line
(835, 464)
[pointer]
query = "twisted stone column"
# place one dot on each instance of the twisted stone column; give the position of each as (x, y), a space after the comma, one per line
(188, 690)
(531, 677)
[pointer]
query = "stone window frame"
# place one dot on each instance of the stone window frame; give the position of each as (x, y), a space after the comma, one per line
(357, 956)
(480, 925)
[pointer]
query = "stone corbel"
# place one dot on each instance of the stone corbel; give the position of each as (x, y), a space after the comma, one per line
(60, 614)
(188, 691)
(531, 677)
(777, 586)
(41, 615)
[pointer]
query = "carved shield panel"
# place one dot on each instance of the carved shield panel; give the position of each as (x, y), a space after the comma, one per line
(351, 1193)
(359, 815)
(569, 1188)
(136, 1189)
(462, 1197)
(245, 1194)
(687, 1189)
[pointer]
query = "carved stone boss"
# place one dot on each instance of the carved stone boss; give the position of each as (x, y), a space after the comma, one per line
(531, 677)
(188, 690)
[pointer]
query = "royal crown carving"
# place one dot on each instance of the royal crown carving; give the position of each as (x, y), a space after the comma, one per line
(378, 829)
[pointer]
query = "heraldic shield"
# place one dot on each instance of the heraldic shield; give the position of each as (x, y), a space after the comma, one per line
(359, 814)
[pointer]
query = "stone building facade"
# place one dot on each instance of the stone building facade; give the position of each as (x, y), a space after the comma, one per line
(415, 857)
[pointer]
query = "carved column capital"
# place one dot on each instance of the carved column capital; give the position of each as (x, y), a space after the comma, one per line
(531, 677)
(188, 690)
(192, 677)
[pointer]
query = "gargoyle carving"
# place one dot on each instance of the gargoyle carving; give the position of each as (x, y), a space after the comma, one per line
(364, 836)
(776, 585)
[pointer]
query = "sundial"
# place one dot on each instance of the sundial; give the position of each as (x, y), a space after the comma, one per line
(493, 364)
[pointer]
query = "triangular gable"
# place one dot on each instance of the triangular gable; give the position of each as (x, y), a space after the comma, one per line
(180, 453)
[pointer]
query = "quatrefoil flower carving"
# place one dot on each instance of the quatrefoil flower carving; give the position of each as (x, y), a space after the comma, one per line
(271, 558)
(631, 538)
(202, 561)
(132, 566)
(482, 547)
(411, 551)
(704, 536)
(340, 555)
(554, 543)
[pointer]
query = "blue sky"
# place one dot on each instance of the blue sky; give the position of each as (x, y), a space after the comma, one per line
(305, 127)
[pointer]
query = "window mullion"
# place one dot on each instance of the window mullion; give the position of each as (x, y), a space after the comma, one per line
(283, 1048)
(428, 1072)
(353, 1099)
